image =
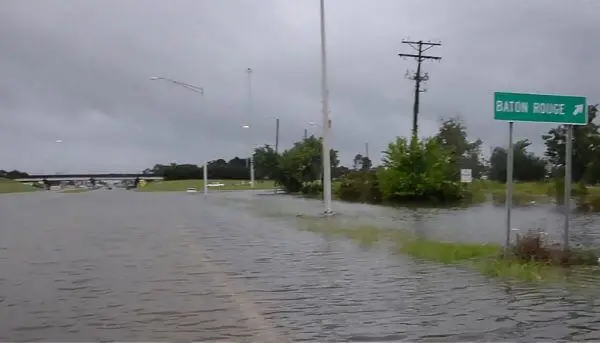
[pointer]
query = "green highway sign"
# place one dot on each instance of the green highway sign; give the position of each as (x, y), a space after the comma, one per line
(540, 108)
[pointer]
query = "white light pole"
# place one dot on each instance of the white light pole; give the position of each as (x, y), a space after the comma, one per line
(57, 152)
(326, 121)
(249, 71)
(196, 89)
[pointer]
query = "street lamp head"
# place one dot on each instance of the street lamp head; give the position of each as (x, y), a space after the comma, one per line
(154, 78)
(58, 141)
(246, 126)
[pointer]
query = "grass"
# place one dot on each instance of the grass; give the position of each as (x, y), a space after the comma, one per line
(523, 192)
(513, 269)
(182, 185)
(11, 186)
(448, 252)
(523, 264)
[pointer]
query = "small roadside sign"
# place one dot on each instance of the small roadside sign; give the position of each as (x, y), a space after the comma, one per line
(466, 176)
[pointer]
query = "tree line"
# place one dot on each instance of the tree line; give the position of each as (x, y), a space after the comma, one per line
(13, 174)
(416, 162)
(266, 165)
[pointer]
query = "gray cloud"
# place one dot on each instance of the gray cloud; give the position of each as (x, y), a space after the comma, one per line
(79, 71)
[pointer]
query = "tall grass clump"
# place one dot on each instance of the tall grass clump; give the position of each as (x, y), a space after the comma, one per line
(532, 257)
(535, 246)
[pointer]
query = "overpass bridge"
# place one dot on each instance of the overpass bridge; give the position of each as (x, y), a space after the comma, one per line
(86, 177)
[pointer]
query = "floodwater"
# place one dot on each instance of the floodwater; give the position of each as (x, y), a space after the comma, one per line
(124, 266)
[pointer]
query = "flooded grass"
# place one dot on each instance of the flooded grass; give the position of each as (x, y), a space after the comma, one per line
(448, 252)
(531, 193)
(515, 269)
(364, 235)
(182, 185)
(11, 186)
(529, 188)
(522, 264)
(524, 193)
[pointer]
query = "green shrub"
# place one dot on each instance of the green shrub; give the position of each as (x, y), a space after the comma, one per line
(362, 186)
(419, 170)
(312, 188)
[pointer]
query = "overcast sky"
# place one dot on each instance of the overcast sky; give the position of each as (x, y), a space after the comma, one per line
(78, 71)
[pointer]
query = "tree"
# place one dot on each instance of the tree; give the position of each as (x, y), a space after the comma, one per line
(586, 149)
(527, 166)
(217, 169)
(339, 171)
(302, 164)
(419, 170)
(360, 186)
(266, 162)
(361, 162)
(357, 162)
(452, 136)
(13, 174)
(366, 163)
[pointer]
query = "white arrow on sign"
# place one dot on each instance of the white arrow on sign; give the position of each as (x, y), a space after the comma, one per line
(578, 109)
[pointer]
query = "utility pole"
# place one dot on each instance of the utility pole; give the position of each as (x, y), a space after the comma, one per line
(305, 133)
(367, 149)
(418, 76)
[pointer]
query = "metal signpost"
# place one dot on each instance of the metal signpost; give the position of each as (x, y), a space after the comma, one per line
(540, 108)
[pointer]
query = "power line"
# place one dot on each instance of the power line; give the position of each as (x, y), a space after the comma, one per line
(418, 76)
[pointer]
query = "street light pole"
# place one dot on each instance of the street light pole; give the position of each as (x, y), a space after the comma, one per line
(56, 153)
(249, 71)
(326, 122)
(196, 89)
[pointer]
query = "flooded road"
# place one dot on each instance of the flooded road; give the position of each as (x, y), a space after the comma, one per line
(127, 266)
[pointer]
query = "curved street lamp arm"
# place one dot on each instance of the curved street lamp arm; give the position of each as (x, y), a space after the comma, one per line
(194, 88)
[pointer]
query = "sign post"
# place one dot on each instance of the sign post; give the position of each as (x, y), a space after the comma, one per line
(568, 169)
(540, 108)
(510, 158)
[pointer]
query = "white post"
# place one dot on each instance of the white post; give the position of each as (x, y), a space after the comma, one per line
(205, 176)
(325, 103)
(249, 71)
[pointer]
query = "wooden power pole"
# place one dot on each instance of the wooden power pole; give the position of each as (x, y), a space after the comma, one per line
(419, 77)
